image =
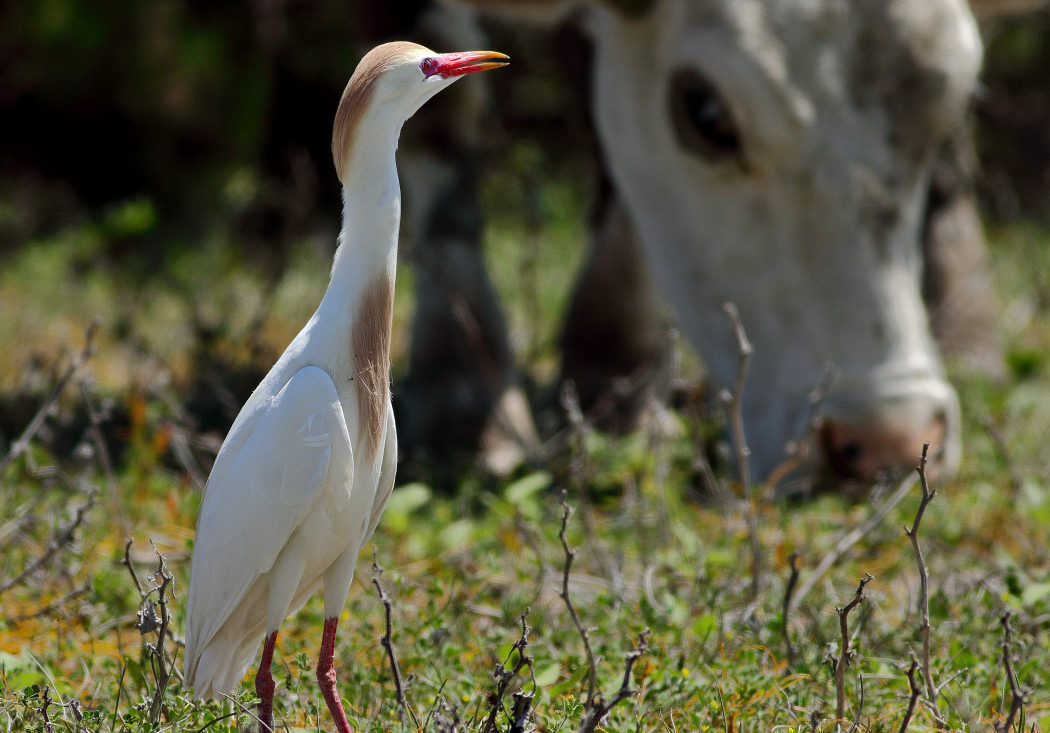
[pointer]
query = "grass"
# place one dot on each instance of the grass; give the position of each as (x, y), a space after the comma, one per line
(652, 556)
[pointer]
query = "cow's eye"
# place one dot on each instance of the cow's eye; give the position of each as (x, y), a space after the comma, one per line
(702, 119)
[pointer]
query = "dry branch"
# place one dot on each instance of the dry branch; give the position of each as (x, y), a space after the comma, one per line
(570, 555)
(387, 640)
(598, 708)
(504, 676)
(924, 590)
(785, 608)
(914, 690)
(1017, 694)
(736, 415)
(844, 650)
(162, 663)
(736, 421)
(149, 620)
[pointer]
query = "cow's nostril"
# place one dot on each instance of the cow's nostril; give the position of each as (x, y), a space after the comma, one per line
(850, 451)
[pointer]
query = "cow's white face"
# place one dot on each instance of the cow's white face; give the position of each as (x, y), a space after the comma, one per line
(775, 154)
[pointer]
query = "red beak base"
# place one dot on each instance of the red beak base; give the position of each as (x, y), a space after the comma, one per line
(448, 65)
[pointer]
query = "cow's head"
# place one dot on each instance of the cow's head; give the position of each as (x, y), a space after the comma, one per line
(776, 154)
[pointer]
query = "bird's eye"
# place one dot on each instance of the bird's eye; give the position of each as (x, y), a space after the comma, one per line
(428, 66)
(702, 119)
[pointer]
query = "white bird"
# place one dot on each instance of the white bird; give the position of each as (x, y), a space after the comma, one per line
(308, 466)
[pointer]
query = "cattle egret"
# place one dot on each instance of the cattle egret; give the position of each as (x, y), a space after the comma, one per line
(308, 466)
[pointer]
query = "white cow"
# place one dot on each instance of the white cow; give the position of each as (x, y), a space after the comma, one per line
(777, 154)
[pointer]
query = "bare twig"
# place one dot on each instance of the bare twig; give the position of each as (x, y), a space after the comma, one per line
(598, 708)
(126, 562)
(915, 690)
(570, 555)
(1017, 694)
(951, 678)
(20, 445)
(45, 703)
(445, 716)
(736, 415)
(387, 640)
(505, 676)
(789, 588)
(161, 670)
(153, 616)
(924, 591)
(60, 539)
(844, 650)
(853, 536)
(736, 421)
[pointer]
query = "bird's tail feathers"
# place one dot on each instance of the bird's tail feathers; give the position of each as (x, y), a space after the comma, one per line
(222, 664)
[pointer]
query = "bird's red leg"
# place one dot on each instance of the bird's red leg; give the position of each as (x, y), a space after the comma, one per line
(264, 685)
(326, 676)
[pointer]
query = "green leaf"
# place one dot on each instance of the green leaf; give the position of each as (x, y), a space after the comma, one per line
(569, 683)
(704, 626)
(457, 534)
(403, 501)
(526, 487)
(547, 675)
(1034, 593)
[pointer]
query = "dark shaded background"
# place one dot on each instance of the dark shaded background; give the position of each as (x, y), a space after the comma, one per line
(218, 114)
(102, 101)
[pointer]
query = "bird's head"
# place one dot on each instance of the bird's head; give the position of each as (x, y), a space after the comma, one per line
(394, 80)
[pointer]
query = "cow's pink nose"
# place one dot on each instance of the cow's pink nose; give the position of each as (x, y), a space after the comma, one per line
(867, 453)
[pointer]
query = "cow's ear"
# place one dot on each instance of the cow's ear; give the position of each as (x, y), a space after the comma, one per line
(549, 11)
(985, 10)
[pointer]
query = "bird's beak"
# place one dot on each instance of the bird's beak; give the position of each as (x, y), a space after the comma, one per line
(467, 62)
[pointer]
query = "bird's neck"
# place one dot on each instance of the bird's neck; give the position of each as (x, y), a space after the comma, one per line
(358, 304)
(371, 218)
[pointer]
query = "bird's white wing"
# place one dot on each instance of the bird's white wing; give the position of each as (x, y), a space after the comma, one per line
(386, 473)
(279, 464)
